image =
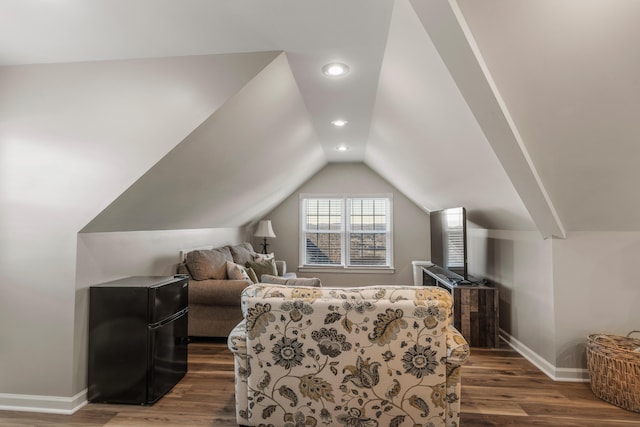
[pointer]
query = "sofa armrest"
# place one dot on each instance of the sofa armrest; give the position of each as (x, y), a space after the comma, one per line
(457, 347)
(216, 292)
(290, 279)
(182, 269)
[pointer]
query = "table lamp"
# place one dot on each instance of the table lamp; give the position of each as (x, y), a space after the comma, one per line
(264, 230)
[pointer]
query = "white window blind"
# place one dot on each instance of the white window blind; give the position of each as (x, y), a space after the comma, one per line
(322, 231)
(368, 231)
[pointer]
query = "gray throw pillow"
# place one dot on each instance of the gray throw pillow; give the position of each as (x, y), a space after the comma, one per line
(209, 263)
(263, 267)
(242, 253)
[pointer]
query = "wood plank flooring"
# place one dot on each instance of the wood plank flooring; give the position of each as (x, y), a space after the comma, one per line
(500, 388)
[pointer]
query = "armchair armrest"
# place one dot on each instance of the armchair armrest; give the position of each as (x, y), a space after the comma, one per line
(457, 347)
(281, 266)
(457, 354)
(237, 343)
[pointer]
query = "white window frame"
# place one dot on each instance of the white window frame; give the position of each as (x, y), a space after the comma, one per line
(345, 231)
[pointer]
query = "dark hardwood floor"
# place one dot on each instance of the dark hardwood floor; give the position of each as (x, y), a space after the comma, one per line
(500, 388)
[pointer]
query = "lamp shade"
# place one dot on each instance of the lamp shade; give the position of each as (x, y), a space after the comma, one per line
(264, 229)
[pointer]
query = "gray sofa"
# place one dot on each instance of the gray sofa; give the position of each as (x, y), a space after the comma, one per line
(216, 283)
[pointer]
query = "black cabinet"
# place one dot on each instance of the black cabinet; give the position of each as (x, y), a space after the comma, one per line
(137, 338)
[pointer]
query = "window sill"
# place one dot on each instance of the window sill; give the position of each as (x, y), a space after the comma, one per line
(348, 270)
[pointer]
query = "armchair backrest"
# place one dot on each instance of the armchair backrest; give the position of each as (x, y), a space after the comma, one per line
(349, 356)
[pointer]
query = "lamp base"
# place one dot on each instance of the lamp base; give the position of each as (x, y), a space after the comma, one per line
(264, 246)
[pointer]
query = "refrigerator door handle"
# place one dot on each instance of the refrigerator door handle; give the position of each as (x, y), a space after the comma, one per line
(169, 319)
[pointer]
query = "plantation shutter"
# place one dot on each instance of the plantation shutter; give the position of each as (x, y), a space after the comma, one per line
(323, 229)
(368, 231)
(455, 239)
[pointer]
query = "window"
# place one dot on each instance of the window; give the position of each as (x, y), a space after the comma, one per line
(346, 232)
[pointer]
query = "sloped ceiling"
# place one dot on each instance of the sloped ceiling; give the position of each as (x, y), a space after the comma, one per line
(75, 136)
(569, 73)
(521, 111)
(425, 140)
(246, 157)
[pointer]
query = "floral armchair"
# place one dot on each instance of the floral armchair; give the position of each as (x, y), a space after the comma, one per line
(358, 357)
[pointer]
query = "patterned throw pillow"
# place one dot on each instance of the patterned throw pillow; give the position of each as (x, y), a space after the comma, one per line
(264, 267)
(252, 274)
(236, 272)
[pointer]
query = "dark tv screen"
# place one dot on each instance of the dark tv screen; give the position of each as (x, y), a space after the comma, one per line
(449, 240)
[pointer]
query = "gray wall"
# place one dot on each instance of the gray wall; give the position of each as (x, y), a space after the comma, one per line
(73, 137)
(519, 264)
(595, 290)
(410, 225)
(555, 292)
(108, 256)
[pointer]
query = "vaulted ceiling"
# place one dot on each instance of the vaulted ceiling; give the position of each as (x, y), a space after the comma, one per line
(167, 114)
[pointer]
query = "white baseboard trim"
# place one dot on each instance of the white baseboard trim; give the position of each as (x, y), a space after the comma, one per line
(45, 404)
(553, 372)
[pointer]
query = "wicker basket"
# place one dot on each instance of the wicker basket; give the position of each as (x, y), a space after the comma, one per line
(614, 368)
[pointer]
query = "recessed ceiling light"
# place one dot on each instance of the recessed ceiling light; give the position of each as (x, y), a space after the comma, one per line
(339, 123)
(335, 69)
(343, 147)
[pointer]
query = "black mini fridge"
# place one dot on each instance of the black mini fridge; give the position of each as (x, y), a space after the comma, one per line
(137, 338)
